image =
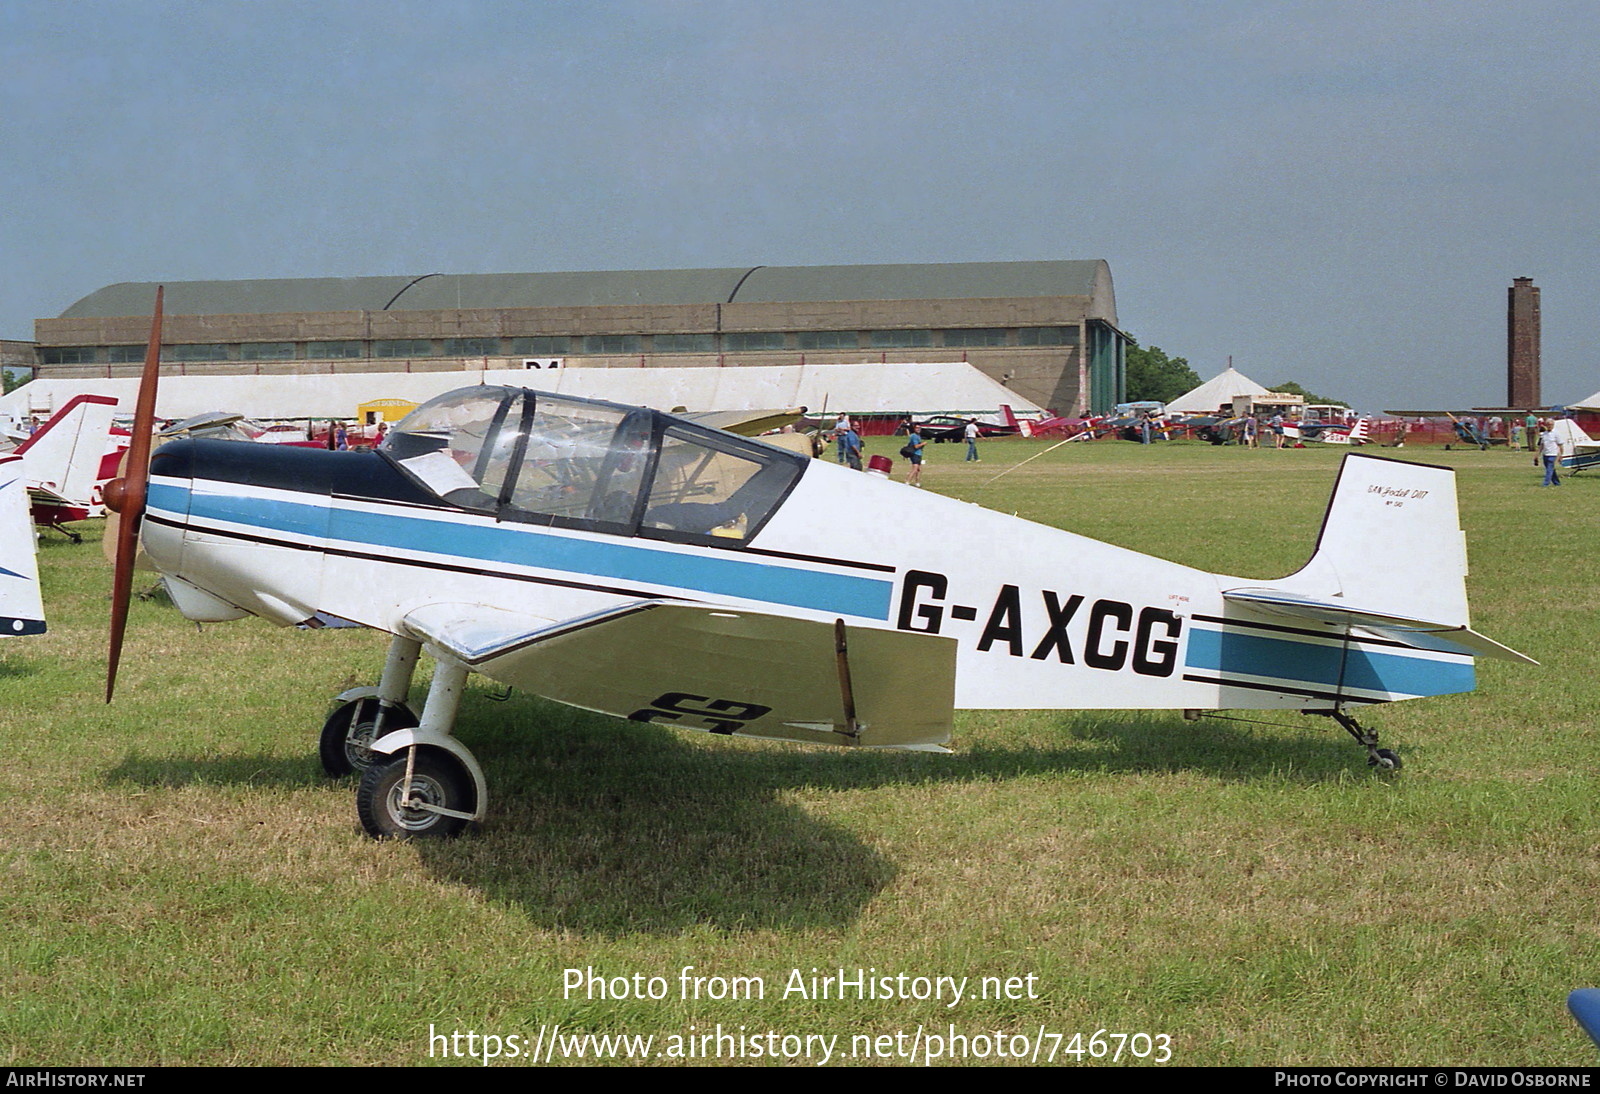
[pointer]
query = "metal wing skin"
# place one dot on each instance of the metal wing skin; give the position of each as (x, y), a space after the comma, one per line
(722, 670)
(745, 423)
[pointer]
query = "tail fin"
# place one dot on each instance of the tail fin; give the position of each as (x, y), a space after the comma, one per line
(1570, 433)
(1391, 558)
(1023, 427)
(65, 454)
(21, 611)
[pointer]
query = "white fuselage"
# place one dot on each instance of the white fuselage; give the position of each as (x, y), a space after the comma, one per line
(1042, 618)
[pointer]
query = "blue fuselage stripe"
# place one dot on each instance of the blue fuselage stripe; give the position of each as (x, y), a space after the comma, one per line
(1327, 666)
(524, 545)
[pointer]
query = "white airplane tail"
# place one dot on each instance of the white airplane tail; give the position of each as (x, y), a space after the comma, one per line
(1570, 434)
(64, 456)
(1024, 428)
(21, 610)
(1391, 558)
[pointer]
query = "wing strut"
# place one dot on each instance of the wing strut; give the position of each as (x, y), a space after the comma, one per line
(841, 651)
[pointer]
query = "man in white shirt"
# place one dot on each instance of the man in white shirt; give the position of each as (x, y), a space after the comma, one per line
(1550, 453)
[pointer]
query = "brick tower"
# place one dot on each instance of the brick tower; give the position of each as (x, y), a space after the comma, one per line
(1522, 344)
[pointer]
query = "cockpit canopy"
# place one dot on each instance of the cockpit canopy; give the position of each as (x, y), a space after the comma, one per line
(579, 463)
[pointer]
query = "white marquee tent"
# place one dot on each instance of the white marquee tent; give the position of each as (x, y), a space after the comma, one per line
(1215, 392)
(916, 389)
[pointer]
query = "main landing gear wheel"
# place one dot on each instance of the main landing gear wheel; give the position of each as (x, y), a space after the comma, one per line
(347, 735)
(390, 807)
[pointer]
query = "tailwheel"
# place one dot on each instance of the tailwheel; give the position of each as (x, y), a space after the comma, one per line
(346, 743)
(416, 793)
(1383, 759)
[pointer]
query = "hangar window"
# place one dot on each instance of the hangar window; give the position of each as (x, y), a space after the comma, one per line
(403, 347)
(73, 355)
(613, 343)
(198, 353)
(752, 341)
(333, 350)
(544, 345)
(901, 339)
(685, 343)
(830, 339)
(267, 351)
(1047, 336)
(976, 336)
(122, 355)
(472, 347)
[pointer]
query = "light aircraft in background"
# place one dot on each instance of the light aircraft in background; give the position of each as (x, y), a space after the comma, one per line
(69, 461)
(1325, 433)
(629, 561)
(21, 610)
(1579, 451)
(1074, 428)
(940, 428)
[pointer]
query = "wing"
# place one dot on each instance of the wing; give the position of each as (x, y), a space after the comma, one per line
(41, 494)
(714, 669)
(746, 423)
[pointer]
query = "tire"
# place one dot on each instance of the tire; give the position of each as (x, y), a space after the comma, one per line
(1385, 760)
(346, 744)
(436, 779)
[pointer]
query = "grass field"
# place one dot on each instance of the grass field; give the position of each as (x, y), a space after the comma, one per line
(181, 885)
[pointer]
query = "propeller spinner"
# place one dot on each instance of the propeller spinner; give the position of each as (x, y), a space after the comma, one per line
(125, 496)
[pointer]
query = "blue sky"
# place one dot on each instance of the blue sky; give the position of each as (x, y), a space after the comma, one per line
(1333, 193)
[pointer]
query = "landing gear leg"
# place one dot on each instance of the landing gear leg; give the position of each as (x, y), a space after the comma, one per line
(368, 713)
(1382, 758)
(423, 782)
(64, 530)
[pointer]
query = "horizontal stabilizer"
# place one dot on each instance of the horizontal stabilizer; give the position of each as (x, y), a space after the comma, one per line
(715, 669)
(43, 495)
(1420, 633)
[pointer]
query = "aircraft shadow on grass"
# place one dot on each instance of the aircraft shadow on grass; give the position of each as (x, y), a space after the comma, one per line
(622, 829)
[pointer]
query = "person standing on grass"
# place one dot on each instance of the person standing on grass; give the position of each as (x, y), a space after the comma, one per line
(913, 452)
(971, 433)
(850, 441)
(1549, 453)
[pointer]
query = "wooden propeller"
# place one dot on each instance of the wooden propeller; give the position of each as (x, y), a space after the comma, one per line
(125, 495)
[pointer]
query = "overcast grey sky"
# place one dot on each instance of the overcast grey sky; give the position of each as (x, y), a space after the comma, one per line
(1337, 193)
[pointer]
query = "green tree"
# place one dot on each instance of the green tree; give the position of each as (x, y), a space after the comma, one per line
(1151, 374)
(12, 380)
(1293, 388)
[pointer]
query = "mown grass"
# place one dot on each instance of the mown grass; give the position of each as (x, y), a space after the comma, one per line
(182, 886)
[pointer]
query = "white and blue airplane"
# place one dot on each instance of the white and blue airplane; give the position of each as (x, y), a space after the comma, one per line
(633, 562)
(21, 609)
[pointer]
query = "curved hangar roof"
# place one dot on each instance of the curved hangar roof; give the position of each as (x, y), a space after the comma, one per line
(757, 284)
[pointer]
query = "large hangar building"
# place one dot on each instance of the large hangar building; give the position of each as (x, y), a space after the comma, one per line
(1047, 330)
